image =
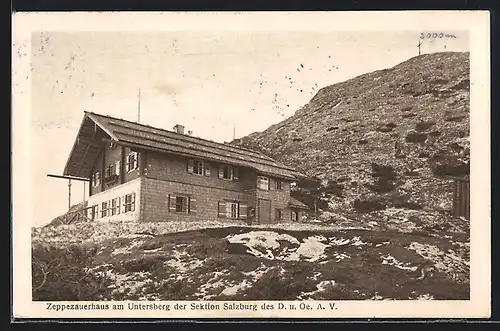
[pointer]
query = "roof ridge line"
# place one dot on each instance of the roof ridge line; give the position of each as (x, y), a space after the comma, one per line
(162, 129)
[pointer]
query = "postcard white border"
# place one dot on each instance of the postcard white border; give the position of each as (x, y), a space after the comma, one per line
(475, 22)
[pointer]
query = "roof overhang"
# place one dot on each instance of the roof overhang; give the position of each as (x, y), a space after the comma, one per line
(87, 146)
(98, 130)
(294, 203)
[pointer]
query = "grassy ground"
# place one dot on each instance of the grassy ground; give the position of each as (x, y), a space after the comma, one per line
(242, 263)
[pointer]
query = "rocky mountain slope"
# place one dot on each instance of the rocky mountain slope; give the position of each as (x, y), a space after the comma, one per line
(389, 138)
(384, 148)
(231, 261)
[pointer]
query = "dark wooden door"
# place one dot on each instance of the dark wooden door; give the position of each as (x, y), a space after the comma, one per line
(264, 211)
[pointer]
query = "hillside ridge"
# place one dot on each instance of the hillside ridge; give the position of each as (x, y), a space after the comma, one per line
(410, 122)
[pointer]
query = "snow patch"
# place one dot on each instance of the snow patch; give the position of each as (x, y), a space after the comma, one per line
(232, 290)
(257, 273)
(391, 260)
(312, 248)
(127, 249)
(456, 267)
(183, 262)
(320, 287)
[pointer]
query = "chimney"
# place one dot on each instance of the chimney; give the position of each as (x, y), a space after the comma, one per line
(179, 128)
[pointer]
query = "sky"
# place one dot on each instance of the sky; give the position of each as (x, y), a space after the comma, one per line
(215, 83)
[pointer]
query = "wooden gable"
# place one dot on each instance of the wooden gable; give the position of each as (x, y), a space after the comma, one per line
(88, 144)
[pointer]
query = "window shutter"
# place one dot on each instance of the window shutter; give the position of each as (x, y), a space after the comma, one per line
(117, 168)
(190, 168)
(132, 207)
(222, 209)
(207, 169)
(123, 205)
(192, 206)
(136, 160)
(221, 172)
(236, 173)
(171, 206)
(119, 199)
(243, 211)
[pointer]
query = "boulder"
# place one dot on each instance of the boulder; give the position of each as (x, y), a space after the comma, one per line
(424, 125)
(381, 170)
(451, 168)
(366, 205)
(382, 185)
(416, 137)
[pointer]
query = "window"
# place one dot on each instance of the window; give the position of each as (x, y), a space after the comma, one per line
(113, 170)
(263, 183)
(232, 209)
(132, 161)
(294, 216)
(228, 172)
(129, 203)
(279, 185)
(195, 167)
(93, 212)
(277, 214)
(96, 178)
(115, 206)
(105, 209)
(182, 204)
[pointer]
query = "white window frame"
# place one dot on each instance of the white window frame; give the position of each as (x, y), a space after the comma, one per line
(110, 170)
(261, 181)
(232, 209)
(230, 170)
(296, 218)
(131, 166)
(115, 206)
(105, 211)
(279, 185)
(92, 212)
(96, 178)
(200, 168)
(129, 206)
(184, 205)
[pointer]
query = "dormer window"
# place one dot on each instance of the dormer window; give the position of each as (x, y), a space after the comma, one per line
(132, 161)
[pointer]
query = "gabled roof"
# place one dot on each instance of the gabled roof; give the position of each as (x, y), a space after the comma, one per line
(139, 136)
(294, 203)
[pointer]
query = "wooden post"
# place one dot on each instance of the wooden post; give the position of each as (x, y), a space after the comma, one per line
(103, 169)
(139, 107)
(419, 44)
(123, 165)
(69, 194)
